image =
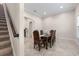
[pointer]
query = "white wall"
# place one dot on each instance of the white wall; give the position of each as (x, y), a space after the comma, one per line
(37, 22)
(77, 10)
(77, 17)
(77, 28)
(62, 23)
(14, 13)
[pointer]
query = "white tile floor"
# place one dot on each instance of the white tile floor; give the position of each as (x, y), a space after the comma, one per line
(62, 47)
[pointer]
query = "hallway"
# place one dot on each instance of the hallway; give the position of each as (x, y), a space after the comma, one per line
(62, 47)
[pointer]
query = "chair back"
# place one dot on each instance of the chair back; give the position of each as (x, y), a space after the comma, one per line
(41, 32)
(52, 33)
(36, 36)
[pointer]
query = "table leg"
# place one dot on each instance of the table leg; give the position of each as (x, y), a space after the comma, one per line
(46, 43)
(51, 44)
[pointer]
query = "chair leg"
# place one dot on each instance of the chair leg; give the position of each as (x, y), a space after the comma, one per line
(39, 47)
(53, 41)
(34, 45)
(44, 44)
(51, 44)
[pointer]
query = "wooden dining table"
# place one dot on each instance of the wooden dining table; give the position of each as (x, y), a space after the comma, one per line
(45, 39)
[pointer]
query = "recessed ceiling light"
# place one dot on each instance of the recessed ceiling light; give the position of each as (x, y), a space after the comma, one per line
(61, 6)
(45, 13)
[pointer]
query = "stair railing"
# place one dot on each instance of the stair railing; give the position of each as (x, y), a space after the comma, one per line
(11, 30)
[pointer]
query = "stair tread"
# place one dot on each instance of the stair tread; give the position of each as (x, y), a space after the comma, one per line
(3, 23)
(3, 28)
(5, 51)
(5, 44)
(3, 31)
(4, 36)
(2, 16)
(4, 39)
(2, 20)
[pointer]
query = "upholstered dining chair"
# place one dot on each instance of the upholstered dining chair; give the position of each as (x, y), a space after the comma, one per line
(52, 37)
(37, 40)
(41, 32)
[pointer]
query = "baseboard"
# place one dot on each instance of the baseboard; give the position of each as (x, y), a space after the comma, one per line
(66, 38)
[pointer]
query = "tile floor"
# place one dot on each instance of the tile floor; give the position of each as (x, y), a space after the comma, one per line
(62, 47)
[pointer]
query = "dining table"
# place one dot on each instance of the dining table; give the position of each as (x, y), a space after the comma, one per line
(45, 37)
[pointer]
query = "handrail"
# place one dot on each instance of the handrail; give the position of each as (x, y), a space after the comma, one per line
(13, 29)
(14, 42)
(10, 30)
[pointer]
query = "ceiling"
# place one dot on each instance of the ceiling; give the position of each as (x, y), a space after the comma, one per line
(48, 9)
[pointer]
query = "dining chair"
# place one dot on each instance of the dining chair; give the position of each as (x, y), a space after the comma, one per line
(41, 32)
(52, 37)
(37, 40)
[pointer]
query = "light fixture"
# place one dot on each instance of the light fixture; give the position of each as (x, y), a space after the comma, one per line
(45, 13)
(61, 6)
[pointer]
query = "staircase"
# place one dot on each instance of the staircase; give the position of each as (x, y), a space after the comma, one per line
(5, 44)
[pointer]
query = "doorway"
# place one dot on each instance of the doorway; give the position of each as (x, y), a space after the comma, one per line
(30, 29)
(77, 27)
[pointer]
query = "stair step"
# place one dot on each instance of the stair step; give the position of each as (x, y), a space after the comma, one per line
(3, 24)
(2, 18)
(4, 37)
(5, 51)
(2, 21)
(3, 28)
(5, 44)
(3, 32)
(9, 54)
